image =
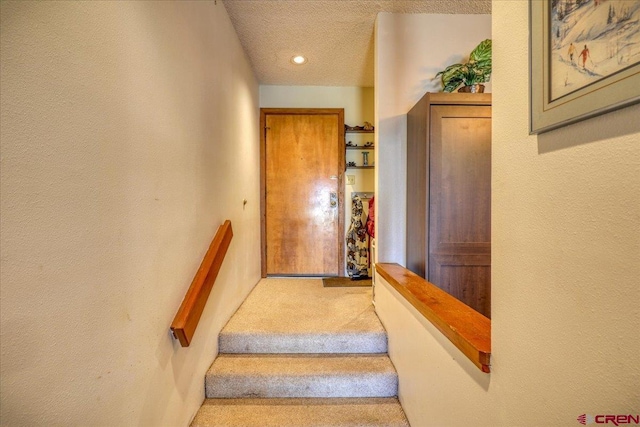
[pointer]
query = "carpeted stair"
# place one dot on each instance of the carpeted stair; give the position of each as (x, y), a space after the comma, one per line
(298, 354)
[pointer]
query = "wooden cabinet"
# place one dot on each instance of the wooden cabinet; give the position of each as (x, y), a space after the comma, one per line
(449, 195)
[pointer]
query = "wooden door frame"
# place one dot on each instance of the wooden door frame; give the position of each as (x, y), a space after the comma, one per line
(264, 112)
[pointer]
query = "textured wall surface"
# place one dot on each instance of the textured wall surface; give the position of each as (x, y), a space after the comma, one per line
(335, 35)
(129, 134)
(410, 50)
(565, 251)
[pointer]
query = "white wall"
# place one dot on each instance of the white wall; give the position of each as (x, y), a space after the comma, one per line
(358, 108)
(438, 385)
(129, 134)
(410, 50)
(565, 250)
(356, 101)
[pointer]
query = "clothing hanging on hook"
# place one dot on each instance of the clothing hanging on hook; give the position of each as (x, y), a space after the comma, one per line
(357, 243)
(370, 224)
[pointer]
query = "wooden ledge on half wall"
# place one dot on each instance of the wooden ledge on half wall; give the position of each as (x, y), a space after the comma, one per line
(467, 329)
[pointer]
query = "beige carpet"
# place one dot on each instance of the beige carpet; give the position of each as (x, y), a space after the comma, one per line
(301, 316)
(340, 412)
(344, 282)
(299, 354)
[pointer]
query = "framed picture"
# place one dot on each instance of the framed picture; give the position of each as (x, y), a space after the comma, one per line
(584, 59)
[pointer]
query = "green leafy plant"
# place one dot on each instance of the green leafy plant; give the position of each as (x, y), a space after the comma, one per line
(476, 71)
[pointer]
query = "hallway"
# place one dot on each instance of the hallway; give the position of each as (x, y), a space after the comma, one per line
(130, 131)
(299, 354)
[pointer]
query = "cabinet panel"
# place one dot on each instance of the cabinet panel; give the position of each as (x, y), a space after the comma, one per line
(417, 187)
(467, 278)
(451, 145)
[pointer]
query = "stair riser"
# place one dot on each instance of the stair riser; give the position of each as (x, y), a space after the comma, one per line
(367, 412)
(381, 385)
(337, 344)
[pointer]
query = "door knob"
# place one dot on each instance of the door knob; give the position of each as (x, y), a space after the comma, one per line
(333, 199)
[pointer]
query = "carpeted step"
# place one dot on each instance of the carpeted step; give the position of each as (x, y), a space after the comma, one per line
(315, 342)
(270, 375)
(301, 316)
(349, 412)
(298, 354)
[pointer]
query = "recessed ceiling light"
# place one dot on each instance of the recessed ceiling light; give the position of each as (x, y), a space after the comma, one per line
(298, 59)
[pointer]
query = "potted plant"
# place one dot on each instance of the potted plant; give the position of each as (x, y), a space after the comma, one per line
(471, 74)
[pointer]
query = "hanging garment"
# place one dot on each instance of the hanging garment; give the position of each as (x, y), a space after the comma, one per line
(371, 217)
(357, 243)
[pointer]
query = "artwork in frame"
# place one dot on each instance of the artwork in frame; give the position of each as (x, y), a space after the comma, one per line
(584, 59)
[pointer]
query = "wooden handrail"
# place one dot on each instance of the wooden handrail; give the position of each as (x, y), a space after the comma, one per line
(467, 329)
(186, 320)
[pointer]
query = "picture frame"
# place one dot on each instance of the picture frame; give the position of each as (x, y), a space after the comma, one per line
(568, 87)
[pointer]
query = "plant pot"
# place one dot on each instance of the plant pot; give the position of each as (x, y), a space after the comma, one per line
(472, 89)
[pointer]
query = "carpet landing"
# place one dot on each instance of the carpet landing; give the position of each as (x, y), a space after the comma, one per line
(299, 354)
(344, 282)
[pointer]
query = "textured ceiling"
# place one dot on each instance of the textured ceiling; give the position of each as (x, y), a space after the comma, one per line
(335, 35)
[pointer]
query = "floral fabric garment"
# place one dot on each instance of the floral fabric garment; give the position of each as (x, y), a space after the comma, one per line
(371, 226)
(357, 243)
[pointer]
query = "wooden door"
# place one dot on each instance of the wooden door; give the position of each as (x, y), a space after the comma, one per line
(303, 164)
(460, 203)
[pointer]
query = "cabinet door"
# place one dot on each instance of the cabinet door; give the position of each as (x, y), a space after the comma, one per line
(460, 203)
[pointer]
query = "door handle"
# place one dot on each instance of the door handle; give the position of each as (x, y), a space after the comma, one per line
(333, 199)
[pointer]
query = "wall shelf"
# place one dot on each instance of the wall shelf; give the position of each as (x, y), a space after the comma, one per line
(358, 148)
